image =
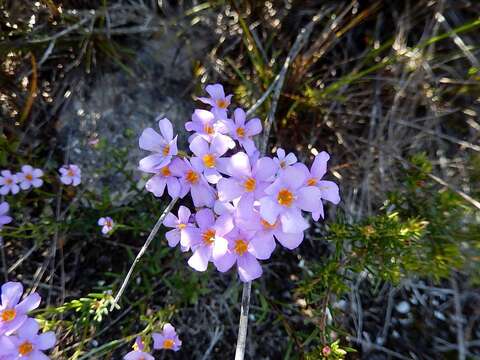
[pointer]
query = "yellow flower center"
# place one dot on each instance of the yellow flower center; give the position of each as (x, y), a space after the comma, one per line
(267, 226)
(108, 223)
(209, 160)
(8, 181)
(165, 171)
(222, 103)
(25, 348)
(166, 150)
(8, 315)
(168, 343)
(240, 132)
(285, 197)
(70, 173)
(191, 177)
(182, 226)
(208, 236)
(241, 247)
(29, 177)
(312, 181)
(250, 184)
(283, 164)
(208, 129)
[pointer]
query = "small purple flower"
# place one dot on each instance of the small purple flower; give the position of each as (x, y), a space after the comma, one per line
(191, 180)
(4, 218)
(183, 230)
(243, 131)
(208, 156)
(245, 180)
(167, 339)
(217, 100)
(8, 183)
(240, 250)
(283, 161)
(138, 352)
(12, 313)
(286, 197)
(29, 345)
(209, 240)
(328, 189)
(29, 177)
(205, 125)
(107, 224)
(163, 146)
(7, 348)
(164, 178)
(70, 175)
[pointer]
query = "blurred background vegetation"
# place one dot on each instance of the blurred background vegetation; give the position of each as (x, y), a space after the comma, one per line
(389, 88)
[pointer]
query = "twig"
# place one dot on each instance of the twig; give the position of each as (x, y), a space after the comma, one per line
(458, 320)
(242, 327)
(4, 259)
(142, 251)
(217, 334)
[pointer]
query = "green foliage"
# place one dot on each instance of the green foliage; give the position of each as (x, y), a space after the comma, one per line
(329, 352)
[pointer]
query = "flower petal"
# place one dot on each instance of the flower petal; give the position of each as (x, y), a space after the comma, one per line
(205, 219)
(200, 258)
(151, 140)
(329, 191)
(46, 340)
(290, 241)
(166, 129)
(11, 293)
(293, 221)
(262, 245)
(309, 198)
(319, 166)
(248, 267)
(269, 209)
(31, 302)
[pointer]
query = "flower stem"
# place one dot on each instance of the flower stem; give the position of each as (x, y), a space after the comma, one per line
(243, 324)
(142, 251)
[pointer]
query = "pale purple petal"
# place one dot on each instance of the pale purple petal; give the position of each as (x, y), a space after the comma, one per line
(29, 329)
(225, 262)
(173, 186)
(269, 209)
(37, 355)
(151, 140)
(319, 166)
(173, 237)
(101, 221)
(248, 267)
(37, 173)
(239, 116)
(229, 189)
(5, 219)
(199, 146)
(265, 169)
(4, 208)
(262, 246)
(309, 198)
(224, 224)
(205, 218)
(46, 340)
(184, 214)
(215, 91)
(239, 165)
(290, 241)
(200, 258)
(253, 127)
(31, 302)
(37, 183)
(329, 191)
(156, 185)
(221, 144)
(11, 294)
(166, 129)
(293, 221)
(212, 176)
(154, 162)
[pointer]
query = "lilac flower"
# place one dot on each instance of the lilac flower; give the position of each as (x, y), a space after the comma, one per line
(283, 161)
(209, 240)
(29, 177)
(243, 132)
(12, 313)
(245, 180)
(164, 177)
(7, 348)
(29, 345)
(106, 223)
(286, 197)
(183, 230)
(163, 146)
(138, 352)
(208, 156)
(167, 339)
(205, 125)
(8, 183)
(192, 180)
(241, 252)
(4, 218)
(70, 175)
(247, 217)
(217, 100)
(328, 189)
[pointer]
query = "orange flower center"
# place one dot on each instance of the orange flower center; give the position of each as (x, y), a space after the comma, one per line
(208, 129)
(241, 247)
(165, 171)
(8, 181)
(70, 173)
(166, 150)
(208, 236)
(222, 103)
(209, 160)
(108, 223)
(168, 343)
(250, 184)
(182, 226)
(285, 197)
(240, 132)
(25, 348)
(312, 182)
(283, 164)
(29, 177)
(266, 225)
(8, 315)
(191, 177)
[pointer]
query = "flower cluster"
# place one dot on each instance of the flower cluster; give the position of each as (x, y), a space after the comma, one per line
(244, 201)
(167, 340)
(25, 179)
(19, 338)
